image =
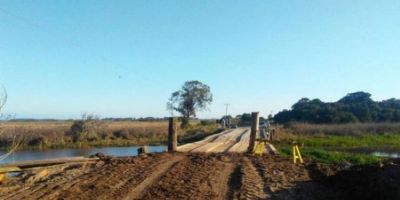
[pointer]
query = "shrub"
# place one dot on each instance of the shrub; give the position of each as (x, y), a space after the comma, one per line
(86, 129)
(36, 141)
(121, 134)
(207, 122)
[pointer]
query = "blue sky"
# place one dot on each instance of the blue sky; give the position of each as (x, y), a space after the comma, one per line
(59, 59)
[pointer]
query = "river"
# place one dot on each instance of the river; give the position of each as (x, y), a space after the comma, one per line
(60, 153)
(124, 151)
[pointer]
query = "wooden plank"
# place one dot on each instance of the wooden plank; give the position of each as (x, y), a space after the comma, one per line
(9, 169)
(39, 163)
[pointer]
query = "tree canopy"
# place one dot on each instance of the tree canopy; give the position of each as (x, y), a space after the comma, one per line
(354, 107)
(194, 96)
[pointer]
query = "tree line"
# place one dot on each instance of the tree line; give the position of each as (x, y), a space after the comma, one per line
(352, 108)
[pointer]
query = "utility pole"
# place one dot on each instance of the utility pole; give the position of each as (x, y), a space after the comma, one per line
(226, 109)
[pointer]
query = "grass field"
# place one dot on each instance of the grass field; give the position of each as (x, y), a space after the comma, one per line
(335, 143)
(332, 157)
(344, 129)
(57, 134)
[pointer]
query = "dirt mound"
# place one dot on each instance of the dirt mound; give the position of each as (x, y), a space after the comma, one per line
(380, 181)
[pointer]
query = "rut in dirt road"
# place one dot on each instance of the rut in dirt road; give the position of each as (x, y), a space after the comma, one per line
(197, 177)
(159, 171)
(252, 184)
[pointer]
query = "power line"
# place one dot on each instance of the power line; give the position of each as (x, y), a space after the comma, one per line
(226, 109)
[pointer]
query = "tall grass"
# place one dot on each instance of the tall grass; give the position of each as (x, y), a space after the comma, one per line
(330, 143)
(56, 134)
(391, 141)
(345, 129)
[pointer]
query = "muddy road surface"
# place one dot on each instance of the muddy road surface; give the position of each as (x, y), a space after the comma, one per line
(195, 176)
(157, 176)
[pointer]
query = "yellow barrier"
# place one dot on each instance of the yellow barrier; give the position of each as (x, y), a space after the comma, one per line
(259, 149)
(296, 154)
(2, 177)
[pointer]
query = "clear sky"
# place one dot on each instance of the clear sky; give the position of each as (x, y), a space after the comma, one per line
(59, 59)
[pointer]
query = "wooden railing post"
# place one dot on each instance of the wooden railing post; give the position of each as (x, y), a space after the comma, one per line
(172, 134)
(142, 150)
(254, 130)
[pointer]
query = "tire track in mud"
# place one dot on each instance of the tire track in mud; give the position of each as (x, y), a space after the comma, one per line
(199, 176)
(94, 183)
(281, 177)
(117, 180)
(41, 188)
(252, 184)
(135, 192)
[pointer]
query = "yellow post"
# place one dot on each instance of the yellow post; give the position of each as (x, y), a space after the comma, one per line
(2, 177)
(259, 150)
(299, 154)
(296, 154)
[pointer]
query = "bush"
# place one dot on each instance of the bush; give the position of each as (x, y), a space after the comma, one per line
(121, 134)
(207, 122)
(76, 130)
(86, 129)
(36, 141)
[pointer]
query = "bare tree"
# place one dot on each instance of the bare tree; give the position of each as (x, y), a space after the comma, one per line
(3, 98)
(15, 141)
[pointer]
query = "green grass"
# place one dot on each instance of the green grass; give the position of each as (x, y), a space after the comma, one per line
(332, 157)
(367, 140)
(331, 149)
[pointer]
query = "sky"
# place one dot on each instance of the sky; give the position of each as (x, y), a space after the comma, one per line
(59, 59)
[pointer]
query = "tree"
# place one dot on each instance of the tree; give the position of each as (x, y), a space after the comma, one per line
(356, 97)
(194, 96)
(354, 107)
(3, 98)
(15, 141)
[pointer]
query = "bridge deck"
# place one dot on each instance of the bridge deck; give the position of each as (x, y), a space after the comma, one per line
(233, 140)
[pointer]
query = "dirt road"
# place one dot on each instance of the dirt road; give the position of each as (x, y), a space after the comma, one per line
(203, 176)
(214, 168)
(159, 176)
